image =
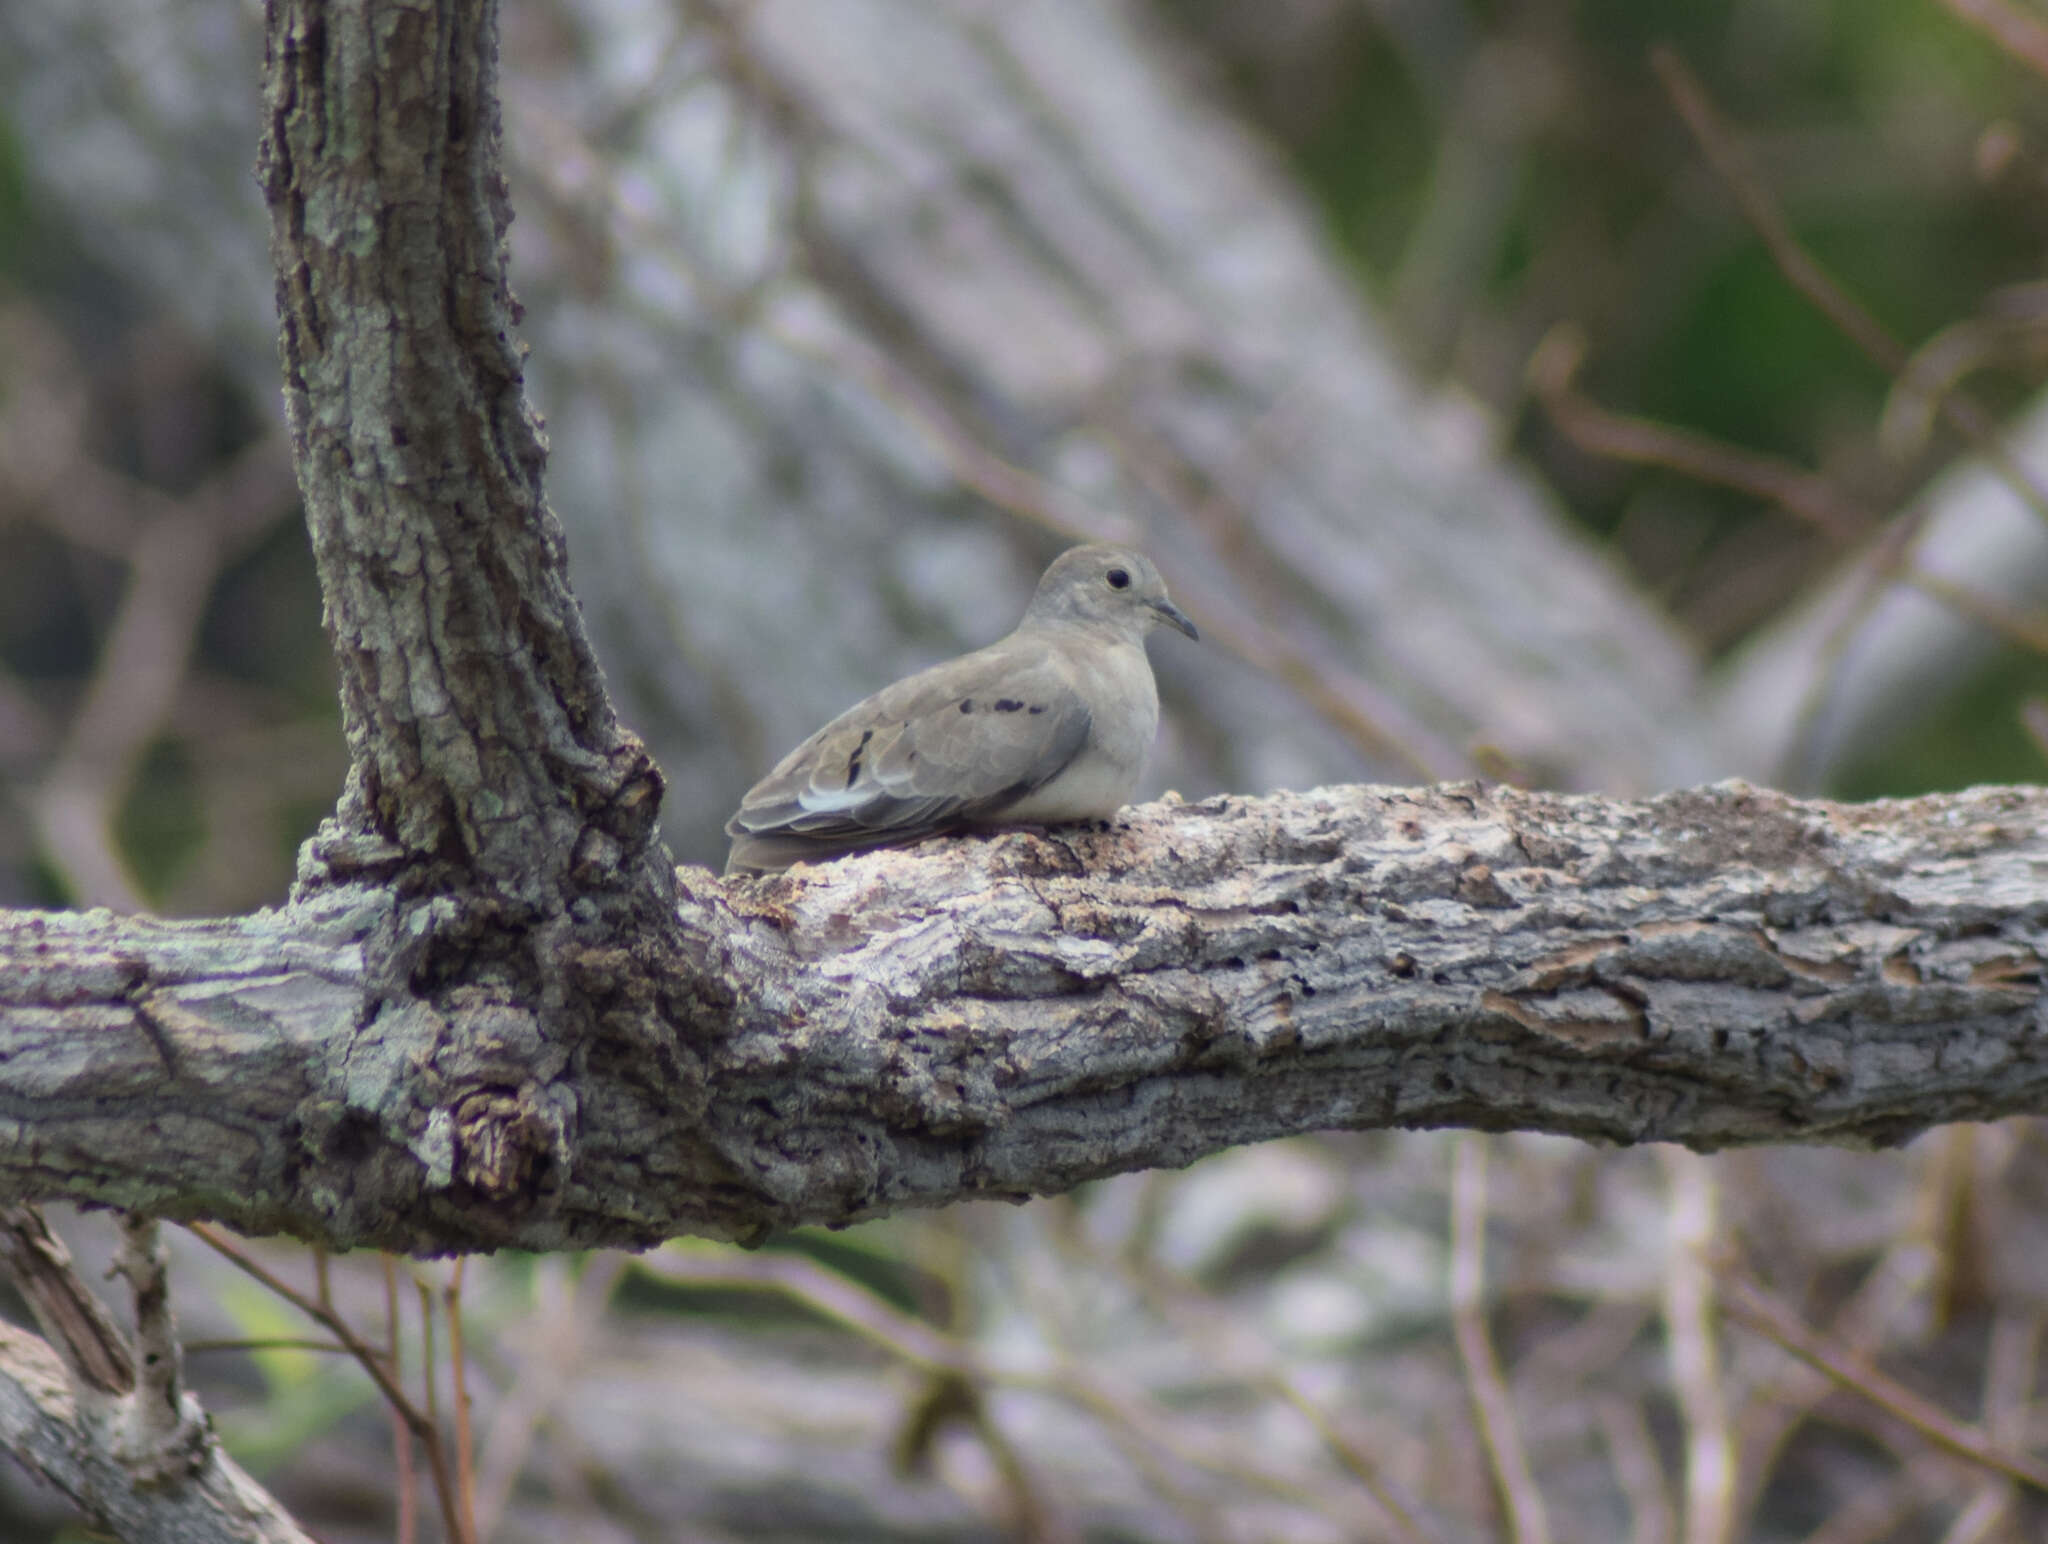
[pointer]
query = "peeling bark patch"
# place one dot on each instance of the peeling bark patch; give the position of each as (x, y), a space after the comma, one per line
(1585, 1019)
(503, 1145)
(2018, 974)
(1570, 967)
(161, 1019)
(1478, 887)
(1832, 971)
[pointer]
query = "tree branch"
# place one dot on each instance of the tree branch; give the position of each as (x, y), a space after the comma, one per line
(1015, 1015)
(482, 742)
(108, 1424)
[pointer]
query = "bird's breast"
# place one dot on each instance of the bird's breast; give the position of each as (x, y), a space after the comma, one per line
(1123, 708)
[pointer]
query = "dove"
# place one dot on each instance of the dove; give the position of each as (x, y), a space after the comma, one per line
(1049, 725)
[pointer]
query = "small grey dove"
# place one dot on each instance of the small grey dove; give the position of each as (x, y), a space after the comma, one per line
(1047, 725)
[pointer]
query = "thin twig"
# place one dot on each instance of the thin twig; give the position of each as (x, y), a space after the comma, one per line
(2027, 630)
(559, 1339)
(174, 550)
(1494, 1411)
(1892, 1292)
(855, 1308)
(1799, 266)
(401, 1431)
(408, 1521)
(1552, 373)
(1938, 368)
(1326, 687)
(1985, 1512)
(465, 1473)
(1637, 1469)
(1128, 1417)
(1805, 273)
(1749, 1304)
(1258, 632)
(2023, 37)
(161, 1429)
(95, 1353)
(2009, 1365)
(391, 1342)
(265, 1343)
(427, 1380)
(1695, 1364)
(1032, 1517)
(832, 1296)
(1143, 1439)
(380, 1370)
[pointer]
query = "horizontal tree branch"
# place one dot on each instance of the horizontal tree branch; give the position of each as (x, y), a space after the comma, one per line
(1013, 1015)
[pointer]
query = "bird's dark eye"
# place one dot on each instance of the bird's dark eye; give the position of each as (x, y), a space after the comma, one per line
(1118, 579)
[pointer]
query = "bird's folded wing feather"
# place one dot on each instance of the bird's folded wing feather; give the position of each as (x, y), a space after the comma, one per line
(950, 746)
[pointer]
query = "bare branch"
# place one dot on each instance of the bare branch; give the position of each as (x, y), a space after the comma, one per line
(2022, 36)
(1696, 1376)
(1748, 1304)
(1012, 1015)
(383, 1372)
(1553, 370)
(475, 713)
(163, 1435)
(1514, 1482)
(1805, 273)
(131, 1451)
(72, 1318)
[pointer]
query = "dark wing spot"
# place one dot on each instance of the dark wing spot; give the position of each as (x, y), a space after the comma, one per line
(853, 761)
(1009, 705)
(966, 704)
(1038, 707)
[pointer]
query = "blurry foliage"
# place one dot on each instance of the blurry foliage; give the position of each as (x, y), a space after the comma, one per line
(1977, 727)
(1493, 169)
(231, 778)
(263, 628)
(160, 825)
(16, 228)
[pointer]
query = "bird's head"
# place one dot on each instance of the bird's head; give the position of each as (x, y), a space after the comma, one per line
(1108, 586)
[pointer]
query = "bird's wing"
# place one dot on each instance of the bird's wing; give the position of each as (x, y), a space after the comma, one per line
(950, 746)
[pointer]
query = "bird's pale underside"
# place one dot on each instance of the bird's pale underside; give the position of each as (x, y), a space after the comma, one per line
(1050, 724)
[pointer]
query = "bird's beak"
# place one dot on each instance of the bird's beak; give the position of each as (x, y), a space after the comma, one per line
(1174, 617)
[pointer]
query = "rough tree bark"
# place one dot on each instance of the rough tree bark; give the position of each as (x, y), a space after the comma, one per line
(1014, 1015)
(107, 1421)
